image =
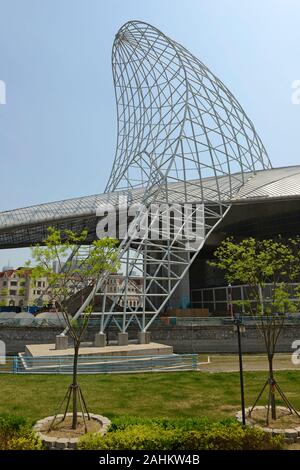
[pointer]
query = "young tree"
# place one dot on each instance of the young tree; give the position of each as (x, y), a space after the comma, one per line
(267, 267)
(77, 273)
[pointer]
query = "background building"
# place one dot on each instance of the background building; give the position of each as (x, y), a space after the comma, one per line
(115, 286)
(18, 290)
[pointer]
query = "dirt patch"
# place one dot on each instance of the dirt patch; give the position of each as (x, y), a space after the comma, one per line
(64, 428)
(285, 420)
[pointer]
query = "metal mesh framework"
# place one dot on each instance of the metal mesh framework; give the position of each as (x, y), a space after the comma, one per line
(176, 118)
(179, 128)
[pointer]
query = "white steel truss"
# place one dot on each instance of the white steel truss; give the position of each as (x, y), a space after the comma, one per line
(179, 127)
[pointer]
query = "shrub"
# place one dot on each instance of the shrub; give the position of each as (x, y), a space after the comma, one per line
(233, 437)
(11, 423)
(187, 424)
(90, 441)
(16, 434)
(136, 437)
(29, 442)
(10, 426)
(153, 437)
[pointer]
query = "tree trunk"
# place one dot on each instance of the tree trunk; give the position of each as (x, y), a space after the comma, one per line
(75, 385)
(271, 385)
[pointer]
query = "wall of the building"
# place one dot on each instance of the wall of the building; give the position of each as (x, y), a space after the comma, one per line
(19, 291)
(261, 220)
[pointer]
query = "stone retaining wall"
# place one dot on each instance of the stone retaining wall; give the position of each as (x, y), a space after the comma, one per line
(184, 339)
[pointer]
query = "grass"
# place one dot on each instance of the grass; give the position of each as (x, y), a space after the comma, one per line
(178, 394)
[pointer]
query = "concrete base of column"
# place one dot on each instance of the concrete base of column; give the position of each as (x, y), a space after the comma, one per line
(144, 337)
(61, 342)
(100, 340)
(122, 339)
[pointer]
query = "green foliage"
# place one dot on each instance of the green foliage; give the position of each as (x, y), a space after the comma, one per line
(16, 434)
(254, 260)
(138, 437)
(267, 267)
(122, 422)
(28, 441)
(234, 437)
(154, 437)
(76, 274)
(11, 424)
(260, 262)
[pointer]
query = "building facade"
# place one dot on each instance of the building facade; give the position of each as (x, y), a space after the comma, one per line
(17, 289)
(115, 285)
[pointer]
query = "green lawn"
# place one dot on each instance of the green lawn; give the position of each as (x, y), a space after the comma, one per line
(149, 395)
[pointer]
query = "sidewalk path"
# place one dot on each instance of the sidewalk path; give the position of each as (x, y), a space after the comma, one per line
(251, 362)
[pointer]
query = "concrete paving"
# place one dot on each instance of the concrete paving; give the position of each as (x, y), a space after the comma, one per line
(38, 350)
(251, 362)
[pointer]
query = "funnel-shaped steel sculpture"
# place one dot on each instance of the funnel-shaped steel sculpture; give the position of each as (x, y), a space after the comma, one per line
(183, 139)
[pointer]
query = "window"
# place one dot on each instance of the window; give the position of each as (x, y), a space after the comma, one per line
(13, 283)
(12, 292)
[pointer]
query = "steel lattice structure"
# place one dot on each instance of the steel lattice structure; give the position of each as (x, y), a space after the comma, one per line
(174, 112)
(182, 138)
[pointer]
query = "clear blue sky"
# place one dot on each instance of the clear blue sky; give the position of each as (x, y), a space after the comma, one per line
(58, 128)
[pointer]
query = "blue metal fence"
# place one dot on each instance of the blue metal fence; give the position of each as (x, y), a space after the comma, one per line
(99, 364)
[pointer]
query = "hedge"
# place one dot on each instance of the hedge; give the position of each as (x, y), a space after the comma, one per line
(187, 424)
(153, 437)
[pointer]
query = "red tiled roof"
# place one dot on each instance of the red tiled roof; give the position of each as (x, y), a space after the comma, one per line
(10, 272)
(7, 273)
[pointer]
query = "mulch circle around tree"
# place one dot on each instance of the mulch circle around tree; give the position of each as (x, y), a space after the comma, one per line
(62, 436)
(287, 424)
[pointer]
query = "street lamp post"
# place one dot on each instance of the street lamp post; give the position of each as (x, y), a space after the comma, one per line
(229, 300)
(240, 328)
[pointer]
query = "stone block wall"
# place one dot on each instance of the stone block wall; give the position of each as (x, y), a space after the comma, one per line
(184, 339)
